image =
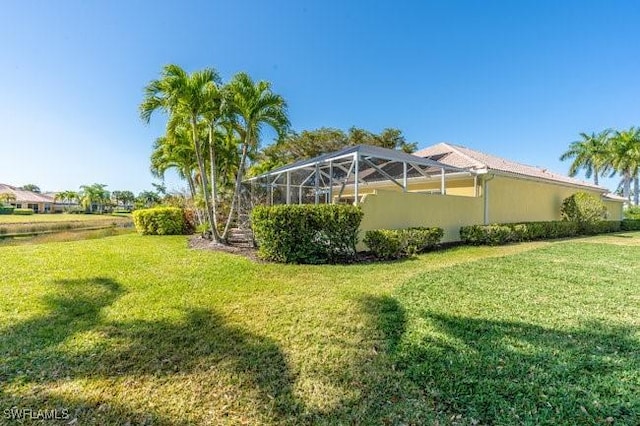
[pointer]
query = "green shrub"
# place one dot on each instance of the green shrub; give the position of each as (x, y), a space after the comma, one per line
(584, 209)
(325, 233)
(386, 244)
(396, 243)
(159, 221)
(420, 239)
(486, 234)
(23, 212)
(630, 225)
(603, 227)
(6, 209)
(632, 212)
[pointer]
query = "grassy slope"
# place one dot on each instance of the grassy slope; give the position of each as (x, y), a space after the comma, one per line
(142, 329)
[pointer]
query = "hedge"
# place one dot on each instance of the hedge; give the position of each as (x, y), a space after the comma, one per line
(325, 233)
(160, 221)
(396, 243)
(6, 209)
(498, 234)
(23, 212)
(630, 225)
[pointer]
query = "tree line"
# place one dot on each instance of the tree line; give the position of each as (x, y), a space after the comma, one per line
(609, 152)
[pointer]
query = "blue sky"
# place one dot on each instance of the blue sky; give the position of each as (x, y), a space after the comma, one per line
(519, 79)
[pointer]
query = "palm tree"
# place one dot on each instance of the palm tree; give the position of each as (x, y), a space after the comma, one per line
(589, 154)
(253, 105)
(625, 159)
(185, 96)
(95, 193)
(7, 197)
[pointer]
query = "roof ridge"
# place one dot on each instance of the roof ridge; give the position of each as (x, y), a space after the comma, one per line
(456, 148)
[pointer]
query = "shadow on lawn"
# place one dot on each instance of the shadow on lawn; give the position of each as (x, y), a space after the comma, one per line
(251, 366)
(513, 372)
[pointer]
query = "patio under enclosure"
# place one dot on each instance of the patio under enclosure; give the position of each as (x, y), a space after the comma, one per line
(345, 176)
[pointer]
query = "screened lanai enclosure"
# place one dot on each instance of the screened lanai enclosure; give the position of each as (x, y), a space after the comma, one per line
(345, 176)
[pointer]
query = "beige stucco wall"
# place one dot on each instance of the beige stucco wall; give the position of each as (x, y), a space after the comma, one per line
(510, 200)
(396, 210)
(518, 200)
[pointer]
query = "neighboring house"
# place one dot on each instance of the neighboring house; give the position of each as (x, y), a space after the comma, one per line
(39, 203)
(443, 185)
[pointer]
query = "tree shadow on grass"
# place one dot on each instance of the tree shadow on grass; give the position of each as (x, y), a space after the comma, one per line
(502, 372)
(199, 351)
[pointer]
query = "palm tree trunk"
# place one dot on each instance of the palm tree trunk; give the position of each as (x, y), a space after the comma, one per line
(203, 176)
(595, 176)
(236, 192)
(626, 189)
(636, 184)
(192, 190)
(214, 178)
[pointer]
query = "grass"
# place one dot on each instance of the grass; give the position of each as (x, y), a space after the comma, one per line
(143, 330)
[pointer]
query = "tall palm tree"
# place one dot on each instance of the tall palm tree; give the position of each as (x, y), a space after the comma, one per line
(253, 105)
(590, 153)
(625, 159)
(184, 95)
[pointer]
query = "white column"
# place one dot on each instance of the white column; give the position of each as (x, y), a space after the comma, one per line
(356, 157)
(404, 176)
(289, 187)
(442, 188)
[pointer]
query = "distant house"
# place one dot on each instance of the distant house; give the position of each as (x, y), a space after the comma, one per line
(39, 203)
(443, 185)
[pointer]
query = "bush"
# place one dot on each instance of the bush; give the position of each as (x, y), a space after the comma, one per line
(325, 233)
(6, 209)
(584, 209)
(159, 221)
(385, 244)
(23, 212)
(420, 239)
(396, 243)
(632, 212)
(630, 225)
(487, 234)
(530, 231)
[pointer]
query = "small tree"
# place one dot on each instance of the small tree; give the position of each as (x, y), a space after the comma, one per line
(584, 209)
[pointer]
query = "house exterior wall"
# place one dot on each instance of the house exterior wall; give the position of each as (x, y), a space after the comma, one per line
(509, 200)
(461, 187)
(397, 209)
(514, 199)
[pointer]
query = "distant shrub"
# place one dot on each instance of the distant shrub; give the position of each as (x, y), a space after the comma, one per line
(396, 243)
(632, 212)
(584, 209)
(159, 221)
(630, 225)
(325, 233)
(23, 212)
(6, 209)
(498, 234)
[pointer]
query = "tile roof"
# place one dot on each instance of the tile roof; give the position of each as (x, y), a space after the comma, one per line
(23, 196)
(460, 156)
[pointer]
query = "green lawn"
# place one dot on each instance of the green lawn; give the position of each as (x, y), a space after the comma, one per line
(143, 330)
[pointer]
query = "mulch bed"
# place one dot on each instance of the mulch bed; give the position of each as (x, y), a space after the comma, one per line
(198, 243)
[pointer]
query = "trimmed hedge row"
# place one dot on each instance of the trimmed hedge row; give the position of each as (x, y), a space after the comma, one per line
(396, 243)
(325, 233)
(498, 234)
(6, 209)
(630, 225)
(160, 221)
(23, 212)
